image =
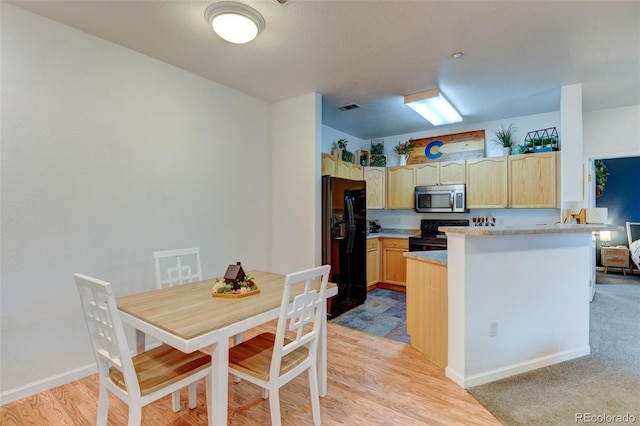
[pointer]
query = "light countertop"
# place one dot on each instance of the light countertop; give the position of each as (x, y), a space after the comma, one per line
(528, 230)
(438, 257)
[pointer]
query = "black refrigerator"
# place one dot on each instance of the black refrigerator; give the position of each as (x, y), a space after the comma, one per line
(344, 241)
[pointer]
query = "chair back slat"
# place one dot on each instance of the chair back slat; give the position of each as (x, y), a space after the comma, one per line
(175, 267)
(302, 315)
(105, 329)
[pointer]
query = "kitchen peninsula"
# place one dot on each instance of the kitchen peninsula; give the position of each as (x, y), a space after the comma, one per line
(515, 299)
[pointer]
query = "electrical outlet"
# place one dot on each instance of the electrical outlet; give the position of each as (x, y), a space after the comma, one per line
(493, 328)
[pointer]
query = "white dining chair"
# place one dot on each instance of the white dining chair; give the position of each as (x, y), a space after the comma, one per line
(143, 378)
(175, 267)
(272, 360)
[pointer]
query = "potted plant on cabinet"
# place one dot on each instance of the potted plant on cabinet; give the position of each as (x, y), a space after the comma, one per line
(342, 153)
(601, 176)
(505, 137)
(402, 149)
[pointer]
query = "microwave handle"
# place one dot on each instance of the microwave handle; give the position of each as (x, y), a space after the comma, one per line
(451, 200)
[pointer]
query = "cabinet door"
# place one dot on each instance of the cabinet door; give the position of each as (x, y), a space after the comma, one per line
(375, 177)
(450, 172)
(343, 170)
(400, 187)
(328, 165)
(373, 263)
(394, 264)
(426, 174)
(356, 172)
(487, 183)
(533, 180)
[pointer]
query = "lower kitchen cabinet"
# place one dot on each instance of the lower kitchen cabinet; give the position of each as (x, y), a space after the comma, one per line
(393, 261)
(427, 309)
(373, 263)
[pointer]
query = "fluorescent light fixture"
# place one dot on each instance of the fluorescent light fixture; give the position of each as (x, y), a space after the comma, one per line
(234, 22)
(431, 105)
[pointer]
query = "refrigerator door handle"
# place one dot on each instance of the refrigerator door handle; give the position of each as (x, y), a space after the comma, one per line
(351, 225)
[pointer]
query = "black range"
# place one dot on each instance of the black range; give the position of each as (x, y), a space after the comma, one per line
(430, 238)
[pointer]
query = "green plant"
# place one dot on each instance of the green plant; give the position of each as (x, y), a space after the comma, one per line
(505, 136)
(346, 155)
(404, 148)
(377, 148)
(378, 160)
(601, 173)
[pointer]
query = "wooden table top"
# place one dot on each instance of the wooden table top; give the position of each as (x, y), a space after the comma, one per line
(189, 310)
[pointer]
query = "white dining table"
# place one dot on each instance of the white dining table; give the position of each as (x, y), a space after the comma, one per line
(189, 318)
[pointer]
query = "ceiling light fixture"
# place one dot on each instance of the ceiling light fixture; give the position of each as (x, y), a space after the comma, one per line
(234, 22)
(431, 105)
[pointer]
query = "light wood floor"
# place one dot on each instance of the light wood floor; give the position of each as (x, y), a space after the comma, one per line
(371, 381)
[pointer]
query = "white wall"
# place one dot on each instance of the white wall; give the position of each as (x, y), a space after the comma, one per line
(296, 171)
(107, 156)
(612, 133)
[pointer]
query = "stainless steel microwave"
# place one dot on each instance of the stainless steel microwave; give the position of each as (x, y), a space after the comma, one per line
(440, 199)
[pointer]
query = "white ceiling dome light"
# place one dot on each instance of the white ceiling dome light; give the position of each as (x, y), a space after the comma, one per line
(234, 22)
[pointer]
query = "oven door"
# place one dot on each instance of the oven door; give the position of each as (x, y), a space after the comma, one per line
(422, 244)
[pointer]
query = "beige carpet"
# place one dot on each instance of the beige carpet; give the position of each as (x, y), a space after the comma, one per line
(603, 387)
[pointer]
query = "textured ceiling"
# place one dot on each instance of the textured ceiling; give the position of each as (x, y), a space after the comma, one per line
(517, 54)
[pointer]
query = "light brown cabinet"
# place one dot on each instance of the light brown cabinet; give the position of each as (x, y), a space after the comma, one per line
(393, 260)
(400, 186)
(615, 257)
(452, 172)
(376, 187)
(534, 180)
(328, 164)
(426, 174)
(348, 170)
(487, 183)
(427, 309)
(356, 172)
(343, 170)
(373, 263)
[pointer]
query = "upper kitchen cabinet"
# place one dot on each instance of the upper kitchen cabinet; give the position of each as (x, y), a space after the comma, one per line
(356, 172)
(400, 185)
(427, 174)
(349, 171)
(441, 173)
(534, 180)
(328, 164)
(451, 172)
(343, 169)
(376, 184)
(487, 183)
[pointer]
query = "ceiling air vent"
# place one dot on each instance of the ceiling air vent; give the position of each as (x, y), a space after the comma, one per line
(348, 107)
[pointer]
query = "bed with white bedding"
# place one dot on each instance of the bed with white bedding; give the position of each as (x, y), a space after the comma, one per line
(633, 234)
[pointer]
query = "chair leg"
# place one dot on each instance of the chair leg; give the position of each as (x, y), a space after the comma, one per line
(207, 383)
(175, 401)
(238, 339)
(103, 406)
(274, 406)
(192, 395)
(265, 393)
(315, 397)
(135, 414)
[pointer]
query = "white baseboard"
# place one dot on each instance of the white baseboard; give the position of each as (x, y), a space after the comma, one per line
(513, 369)
(45, 384)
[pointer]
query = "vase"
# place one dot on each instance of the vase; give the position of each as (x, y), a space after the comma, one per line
(403, 159)
(506, 150)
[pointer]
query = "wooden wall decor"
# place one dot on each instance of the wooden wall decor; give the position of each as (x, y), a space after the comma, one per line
(457, 146)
